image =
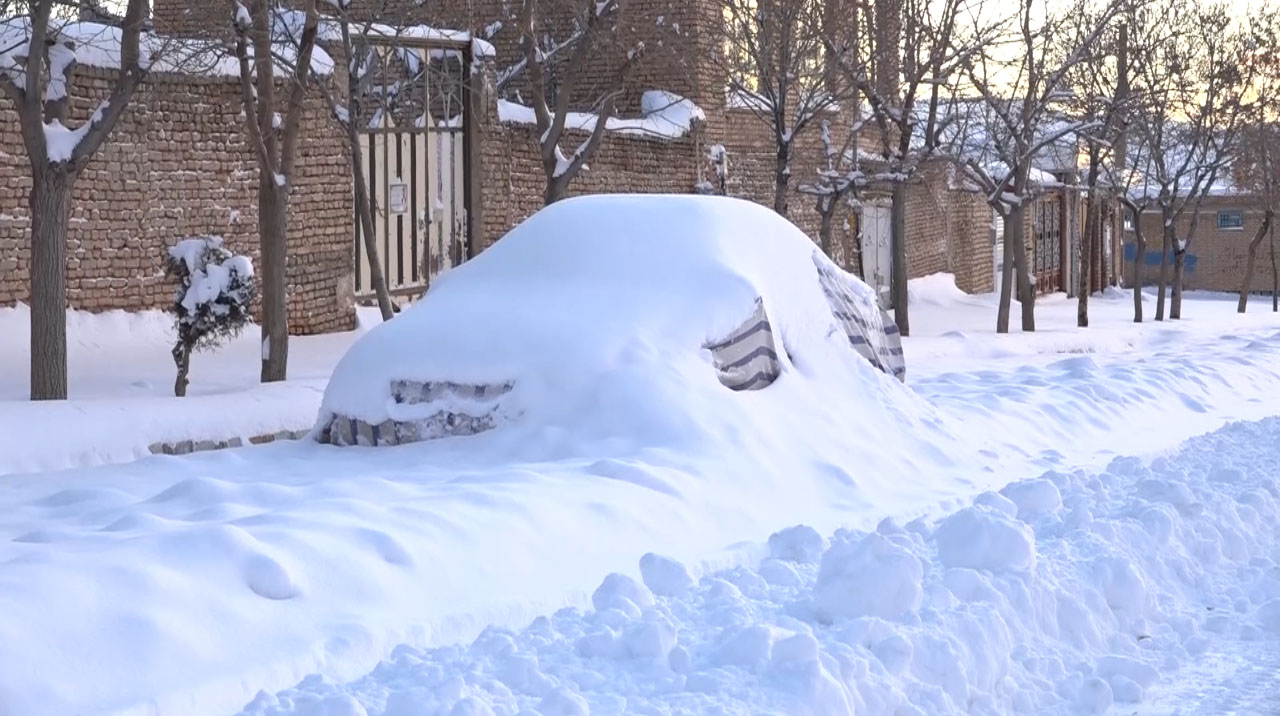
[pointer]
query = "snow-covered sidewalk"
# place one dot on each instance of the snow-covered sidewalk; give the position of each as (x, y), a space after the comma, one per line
(1063, 594)
(121, 385)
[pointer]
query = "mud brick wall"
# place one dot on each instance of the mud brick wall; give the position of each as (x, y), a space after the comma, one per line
(930, 224)
(1216, 257)
(193, 17)
(513, 182)
(177, 165)
(949, 229)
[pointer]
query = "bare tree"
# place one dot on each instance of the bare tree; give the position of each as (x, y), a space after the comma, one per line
(777, 65)
(348, 108)
(840, 180)
(1257, 164)
(908, 81)
(1261, 172)
(37, 62)
(1099, 90)
(572, 53)
(1195, 89)
(1132, 160)
(273, 139)
(1269, 213)
(1127, 170)
(1020, 82)
(841, 175)
(1275, 273)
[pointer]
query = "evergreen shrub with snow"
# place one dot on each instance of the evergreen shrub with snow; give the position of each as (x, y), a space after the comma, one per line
(211, 299)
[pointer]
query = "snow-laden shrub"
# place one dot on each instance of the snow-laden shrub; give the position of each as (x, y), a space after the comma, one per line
(211, 300)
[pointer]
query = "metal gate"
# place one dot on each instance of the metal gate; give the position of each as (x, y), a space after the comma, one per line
(415, 161)
(1047, 225)
(997, 250)
(875, 240)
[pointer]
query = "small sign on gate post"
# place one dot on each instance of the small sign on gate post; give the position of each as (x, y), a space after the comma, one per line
(399, 198)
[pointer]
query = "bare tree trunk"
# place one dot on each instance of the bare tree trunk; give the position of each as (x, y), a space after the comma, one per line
(781, 178)
(898, 229)
(1085, 284)
(50, 202)
(1247, 284)
(826, 211)
(364, 211)
(555, 190)
(1275, 274)
(1026, 290)
(1175, 298)
(364, 206)
(182, 357)
(1139, 255)
(273, 209)
(1006, 282)
(1164, 270)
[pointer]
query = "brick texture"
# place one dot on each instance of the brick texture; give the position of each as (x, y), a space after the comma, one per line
(177, 165)
(1215, 257)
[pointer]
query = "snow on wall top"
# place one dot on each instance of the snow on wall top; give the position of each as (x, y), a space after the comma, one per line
(602, 304)
(663, 116)
(330, 30)
(98, 45)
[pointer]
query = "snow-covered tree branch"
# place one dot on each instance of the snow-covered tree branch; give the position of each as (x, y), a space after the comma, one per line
(211, 299)
(37, 63)
(554, 69)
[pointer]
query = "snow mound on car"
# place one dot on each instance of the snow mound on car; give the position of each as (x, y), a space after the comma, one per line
(599, 306)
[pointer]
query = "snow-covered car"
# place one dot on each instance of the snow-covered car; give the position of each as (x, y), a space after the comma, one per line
(600, 306)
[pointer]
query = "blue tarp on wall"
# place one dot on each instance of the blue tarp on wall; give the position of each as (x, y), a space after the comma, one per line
(1152, 257)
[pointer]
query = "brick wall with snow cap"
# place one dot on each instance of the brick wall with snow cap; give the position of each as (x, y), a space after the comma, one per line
(177, 165)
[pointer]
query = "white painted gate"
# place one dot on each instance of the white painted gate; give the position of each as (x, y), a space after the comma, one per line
(414, 154)
(875, 241)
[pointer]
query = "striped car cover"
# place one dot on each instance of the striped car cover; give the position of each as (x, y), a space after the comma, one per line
(872, 332)
(747, 359)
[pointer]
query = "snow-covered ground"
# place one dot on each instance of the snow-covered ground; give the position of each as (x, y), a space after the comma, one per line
(1063, 594)
(121, 373)
(188, 584)
(121, 387)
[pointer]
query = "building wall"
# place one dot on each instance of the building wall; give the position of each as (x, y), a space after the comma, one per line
(175, 166)
(949, 229)
(1215, 259)
(679, 59)
(513, 180)
(193, 17)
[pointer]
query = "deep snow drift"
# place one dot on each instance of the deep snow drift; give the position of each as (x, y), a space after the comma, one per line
(1065, 594)
(185, 585)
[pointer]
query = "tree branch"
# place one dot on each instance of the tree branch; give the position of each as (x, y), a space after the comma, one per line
(242, 22)
(298, 89)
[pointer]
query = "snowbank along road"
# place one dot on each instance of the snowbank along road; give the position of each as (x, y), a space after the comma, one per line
(1075, 593)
